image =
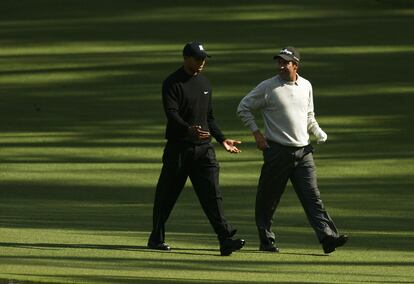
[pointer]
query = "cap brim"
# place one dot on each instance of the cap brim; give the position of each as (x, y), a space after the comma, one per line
(204, 56)
(285, 57)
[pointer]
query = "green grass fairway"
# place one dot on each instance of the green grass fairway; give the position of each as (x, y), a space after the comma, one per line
(82, 133)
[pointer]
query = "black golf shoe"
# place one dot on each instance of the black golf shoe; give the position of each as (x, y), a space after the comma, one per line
(270, 247)
(329, 244)
(159, 246)
(228, 246)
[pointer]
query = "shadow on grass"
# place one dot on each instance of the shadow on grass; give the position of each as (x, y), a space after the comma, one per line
(125, 279)
(191, 266)
(175, 250)
(75, 246)
(353, 204)
(52, 246)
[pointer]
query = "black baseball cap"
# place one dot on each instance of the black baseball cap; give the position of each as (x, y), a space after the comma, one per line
(195, 49)
(288, 53)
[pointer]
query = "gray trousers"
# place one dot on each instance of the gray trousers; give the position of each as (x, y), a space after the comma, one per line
(282, 163)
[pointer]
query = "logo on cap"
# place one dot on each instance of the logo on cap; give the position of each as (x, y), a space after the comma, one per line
(285, 51)
(201, 47)
(288, 53)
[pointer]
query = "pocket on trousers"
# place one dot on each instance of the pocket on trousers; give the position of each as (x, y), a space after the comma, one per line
(272, 153)
(211, 156)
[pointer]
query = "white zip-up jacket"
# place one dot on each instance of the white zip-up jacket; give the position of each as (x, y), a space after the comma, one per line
(287, 109)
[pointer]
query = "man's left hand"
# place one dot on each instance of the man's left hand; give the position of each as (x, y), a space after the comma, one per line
(230, 146)
(321, 136)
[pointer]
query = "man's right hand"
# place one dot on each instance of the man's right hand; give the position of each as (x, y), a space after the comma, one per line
(261, 142)
(195, 132)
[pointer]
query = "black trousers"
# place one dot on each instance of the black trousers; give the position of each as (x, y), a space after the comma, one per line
(282, 163)
(180, 161)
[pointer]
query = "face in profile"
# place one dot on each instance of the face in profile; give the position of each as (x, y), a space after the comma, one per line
(194, 65)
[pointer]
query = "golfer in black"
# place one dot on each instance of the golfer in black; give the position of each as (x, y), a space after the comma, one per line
(186, 96)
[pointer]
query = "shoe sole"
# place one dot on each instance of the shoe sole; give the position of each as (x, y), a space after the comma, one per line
(229, 251)
(158, 248)
(337, 245)
(268, 250)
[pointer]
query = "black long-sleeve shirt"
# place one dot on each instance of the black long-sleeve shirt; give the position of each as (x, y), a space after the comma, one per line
(187, 102)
